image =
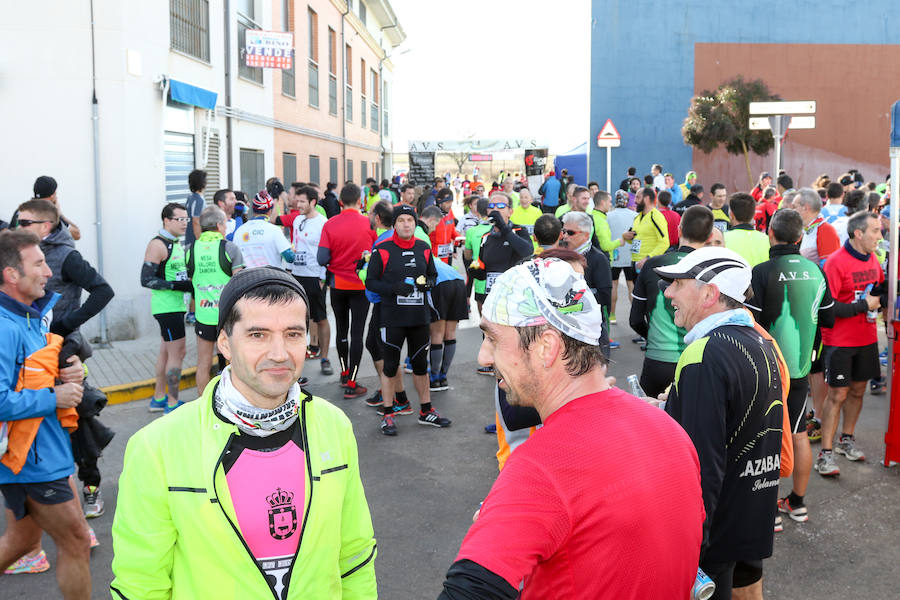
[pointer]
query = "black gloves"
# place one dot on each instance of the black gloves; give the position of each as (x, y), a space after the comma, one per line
(401, 288)
(182, 286)
(424, 287)
(499, 222)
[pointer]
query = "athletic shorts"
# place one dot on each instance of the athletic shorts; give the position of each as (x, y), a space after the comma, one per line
(796, 404)
(630, 274)
(853, 363)
(480, 297)
(417, 338)
(656, 376)
(449, 300)
(206, 332)
(816, 365)
(747, 572)
(316, 295)
(171, 325)
(50, 492)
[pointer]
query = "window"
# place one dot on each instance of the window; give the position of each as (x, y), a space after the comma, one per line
(253, 176)
(189, 27)
(348, 83)
(244, 22)
(313, 58)
(363, 171)
(362, 12)
(362, 100)
(333, 170)
(373, 121)
(178, 157)
(313, 168)
(384, 108)
(349, 174)
(375, 170)
(288, 168)
(288, 79)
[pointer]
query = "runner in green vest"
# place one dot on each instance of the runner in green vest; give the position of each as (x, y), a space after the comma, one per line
(211, 261)
(165, 274)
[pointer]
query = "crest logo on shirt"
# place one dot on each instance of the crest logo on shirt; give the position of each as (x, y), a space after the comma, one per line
(282, 514)
(246, 236)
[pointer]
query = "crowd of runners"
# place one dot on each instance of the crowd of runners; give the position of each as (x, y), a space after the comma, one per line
(745, 304)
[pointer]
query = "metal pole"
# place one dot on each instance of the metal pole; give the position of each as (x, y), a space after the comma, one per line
(778, 139)
(98, 207)
(609, 169)
(229, 159)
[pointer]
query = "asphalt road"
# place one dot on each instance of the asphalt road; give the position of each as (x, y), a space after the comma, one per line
(424, 485)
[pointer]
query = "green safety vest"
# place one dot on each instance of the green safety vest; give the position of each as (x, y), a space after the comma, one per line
(209, 267)
(173, 268)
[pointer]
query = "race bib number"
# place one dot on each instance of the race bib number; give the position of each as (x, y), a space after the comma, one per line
(300, 259)
(720, 225)
(529, 229)
(416, 298)
(444, 250)
(181, 276)
(489, 282)
(636, 246)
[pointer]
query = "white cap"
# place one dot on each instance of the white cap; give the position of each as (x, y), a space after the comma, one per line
(721, 267)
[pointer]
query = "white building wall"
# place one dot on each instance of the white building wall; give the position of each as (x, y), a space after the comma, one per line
(45, 99)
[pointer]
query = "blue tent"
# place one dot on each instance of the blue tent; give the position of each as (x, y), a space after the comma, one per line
(575, 161)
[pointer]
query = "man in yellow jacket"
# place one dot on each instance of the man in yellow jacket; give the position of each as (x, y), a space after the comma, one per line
(649, 235)
(254, 490)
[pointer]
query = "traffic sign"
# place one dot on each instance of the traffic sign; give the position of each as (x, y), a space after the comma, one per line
(609, 136)
(801, 107)
(804, 122)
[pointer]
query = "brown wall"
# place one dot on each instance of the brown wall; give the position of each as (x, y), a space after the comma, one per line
(853, 86)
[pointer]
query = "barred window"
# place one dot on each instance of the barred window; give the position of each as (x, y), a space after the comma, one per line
(189, 27)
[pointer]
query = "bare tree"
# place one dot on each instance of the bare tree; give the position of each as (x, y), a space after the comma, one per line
(460, 158)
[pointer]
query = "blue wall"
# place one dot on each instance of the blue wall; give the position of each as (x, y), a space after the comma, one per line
(642, 62)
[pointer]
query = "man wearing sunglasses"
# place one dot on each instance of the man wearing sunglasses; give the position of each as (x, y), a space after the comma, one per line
(577, 233)
(165, 273)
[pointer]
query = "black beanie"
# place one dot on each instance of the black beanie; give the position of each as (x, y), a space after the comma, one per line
(403, 209)
(252, 278)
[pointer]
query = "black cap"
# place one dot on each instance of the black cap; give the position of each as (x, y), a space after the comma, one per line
(249, 279)
(403, 209)
(44, 186)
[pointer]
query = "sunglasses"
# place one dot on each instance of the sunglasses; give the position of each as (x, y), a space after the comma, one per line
(27, 222)
(570, 232)
(497, 204)
(180, 219)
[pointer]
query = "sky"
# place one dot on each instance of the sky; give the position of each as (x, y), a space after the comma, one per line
(493, 69)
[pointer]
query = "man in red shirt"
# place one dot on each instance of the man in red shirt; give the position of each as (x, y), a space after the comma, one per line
(851, 346)
(444, 234)
(765, 208)
(560, 510)
(344, 239)
(672, 217)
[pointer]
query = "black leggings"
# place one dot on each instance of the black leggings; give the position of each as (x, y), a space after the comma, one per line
(350, 308)
(417, 340)
(656, 376)
(373, 335)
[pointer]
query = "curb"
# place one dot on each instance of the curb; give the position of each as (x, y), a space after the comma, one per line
(143, 390)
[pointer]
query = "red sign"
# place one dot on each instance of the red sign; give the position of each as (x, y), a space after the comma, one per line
(480, 157)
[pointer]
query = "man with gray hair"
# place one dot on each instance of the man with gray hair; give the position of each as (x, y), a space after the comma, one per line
(820, 239)
(211, 261)
(576, 235)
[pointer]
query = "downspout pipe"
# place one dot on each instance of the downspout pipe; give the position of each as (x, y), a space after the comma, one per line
(98, 206)
(228, 144)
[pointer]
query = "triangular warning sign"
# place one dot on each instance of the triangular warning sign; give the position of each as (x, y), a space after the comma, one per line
(609, 132)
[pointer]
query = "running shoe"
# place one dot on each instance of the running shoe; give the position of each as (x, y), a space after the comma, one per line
(613, 344)
(327, 369)
(94, 541)
(797, 513)
(876, 386)
(433, 418)
(93, 501)
(612, 317)
(407, 366)
(170, 407)
(825, 465)
(375, 400)
(883, 358)
(814, 430)
(492, 428)
(313, 352)
(779, 524)
(435, 384)
(351, 390)
(387, 426)
(402, 409)
(485, 371)
(444, 383)
(638, 340)
(158, 405)
(37, 563)
(345, 377)
(847, 447)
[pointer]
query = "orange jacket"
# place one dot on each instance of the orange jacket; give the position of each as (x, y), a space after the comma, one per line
(39, 371)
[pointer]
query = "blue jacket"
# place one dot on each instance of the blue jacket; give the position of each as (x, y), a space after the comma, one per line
(677, 196)
(551, 191)
(22, 332)
(445, 272)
